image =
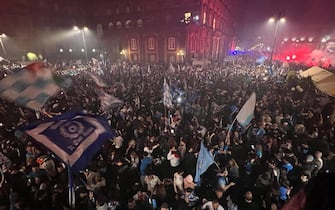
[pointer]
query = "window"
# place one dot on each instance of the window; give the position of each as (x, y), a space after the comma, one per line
(151, 43)
(171, 43)
(139, 23)
(133, 44)
(119, 24)
(128, 24)
(192, 43)
(204, 18)
(127, 9)
(100, 30)
(214, 23)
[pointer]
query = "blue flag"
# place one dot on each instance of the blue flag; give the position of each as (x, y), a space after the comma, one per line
(205, 159)
(74, 137)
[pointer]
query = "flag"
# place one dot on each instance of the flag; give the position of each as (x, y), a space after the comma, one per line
(171, 68)
(98, 81)
(32, 86)
(167, 97)
(205, 159)
(74, 137)
(246, 113)
(108, 101)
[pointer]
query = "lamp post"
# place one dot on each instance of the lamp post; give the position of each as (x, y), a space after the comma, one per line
(3, 35)
(83, 37)
(277, 23)
(181, 54)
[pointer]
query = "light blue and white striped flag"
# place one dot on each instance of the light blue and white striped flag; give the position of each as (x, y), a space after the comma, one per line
(246, 113)
(108, 101)
(31, 87)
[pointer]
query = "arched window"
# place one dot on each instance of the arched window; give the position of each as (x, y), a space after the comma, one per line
(127, 9)
(128, 24)
(151, 43)
(139, 23)
(110, 25)
(118, 24)
(100, 30)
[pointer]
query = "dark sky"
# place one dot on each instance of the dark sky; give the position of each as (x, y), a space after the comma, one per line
(303, 16)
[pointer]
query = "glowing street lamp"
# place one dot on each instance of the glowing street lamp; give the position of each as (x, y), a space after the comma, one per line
(61, 50)
(277, 21)
(181, 54)
(3, 35)
(82, 31)
(70, 50)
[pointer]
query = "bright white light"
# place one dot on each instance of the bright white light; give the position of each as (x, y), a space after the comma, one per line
(271, 20)
(70, 50)
(302, 39)
(5, 75)
(60, 50)
(179, 100)
(3, 35)
(282, 20)
(268, 49)
(196, 17)
(288, 58)
(82, 50)
(310, 39)
(324, 40)
(285, 39)
(293, 39)
(75, 28)
(294, 57)
(85, 28)
(93, 50)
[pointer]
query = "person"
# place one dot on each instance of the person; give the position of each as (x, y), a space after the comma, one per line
(212, 205)
(164, 206)
(317, 194)
(248, 203)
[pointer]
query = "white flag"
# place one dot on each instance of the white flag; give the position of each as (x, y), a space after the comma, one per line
(246, 113)
(167, 97)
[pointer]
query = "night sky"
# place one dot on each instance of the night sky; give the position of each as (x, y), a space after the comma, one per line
(308, 17)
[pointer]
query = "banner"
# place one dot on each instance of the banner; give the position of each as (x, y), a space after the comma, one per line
(73, 137)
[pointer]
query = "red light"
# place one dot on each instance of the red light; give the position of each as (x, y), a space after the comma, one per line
(288, 58)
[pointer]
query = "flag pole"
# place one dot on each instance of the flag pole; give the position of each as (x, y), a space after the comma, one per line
(229, 131)
(71, 190)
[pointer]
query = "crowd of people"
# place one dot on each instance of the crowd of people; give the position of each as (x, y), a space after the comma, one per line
(151, 163)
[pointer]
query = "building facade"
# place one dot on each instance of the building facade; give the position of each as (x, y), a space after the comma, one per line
(154, 31)
(148, 31)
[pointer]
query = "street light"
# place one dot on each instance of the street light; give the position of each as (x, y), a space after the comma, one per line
(181, 54)
(277, 21)
(82, 31)
(3, 35)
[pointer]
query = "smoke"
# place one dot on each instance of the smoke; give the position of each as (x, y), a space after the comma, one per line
(324, 57)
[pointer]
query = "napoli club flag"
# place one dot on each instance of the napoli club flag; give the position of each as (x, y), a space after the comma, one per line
(74, 137)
